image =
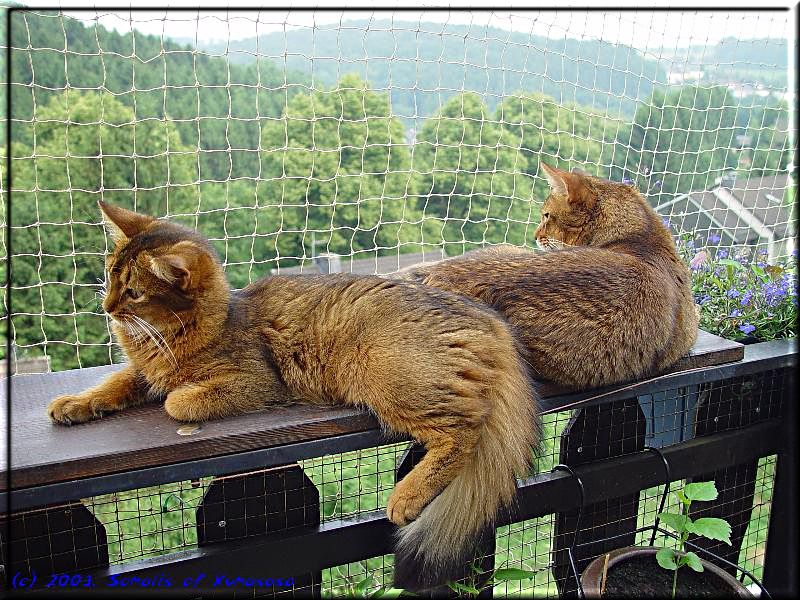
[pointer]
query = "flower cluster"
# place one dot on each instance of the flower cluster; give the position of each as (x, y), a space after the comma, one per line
(739, 294)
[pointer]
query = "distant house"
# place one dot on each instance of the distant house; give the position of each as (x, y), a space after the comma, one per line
(373, 265)
(746, 212)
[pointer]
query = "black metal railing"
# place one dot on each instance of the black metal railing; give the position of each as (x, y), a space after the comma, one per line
(310, 513)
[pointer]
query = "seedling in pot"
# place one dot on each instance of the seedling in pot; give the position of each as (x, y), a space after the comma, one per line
(707, 527)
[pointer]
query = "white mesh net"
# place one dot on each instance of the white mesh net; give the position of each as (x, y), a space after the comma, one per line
(369, 141)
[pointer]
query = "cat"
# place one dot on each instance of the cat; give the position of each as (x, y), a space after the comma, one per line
(441, 368)
(609, 302)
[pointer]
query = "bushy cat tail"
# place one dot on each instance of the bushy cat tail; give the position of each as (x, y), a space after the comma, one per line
(435, 548)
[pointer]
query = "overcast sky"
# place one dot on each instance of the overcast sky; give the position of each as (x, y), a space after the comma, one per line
(648, 31)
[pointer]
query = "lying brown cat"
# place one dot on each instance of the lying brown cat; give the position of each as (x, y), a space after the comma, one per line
(612, 302)
(428, 363)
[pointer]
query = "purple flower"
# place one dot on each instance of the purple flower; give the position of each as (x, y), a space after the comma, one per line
(763, 252)
(626, 181)
(714, 238)
(658, 183)
(747, 329)
(705, 298)
(746, 297)
(722, 254)
(735, 313)
(666, 222)
(732, 293)
(773, 293)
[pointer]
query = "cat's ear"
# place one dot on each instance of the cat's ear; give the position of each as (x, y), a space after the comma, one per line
(579, 171)
(175, 266)
(555, 177)
(123, 224)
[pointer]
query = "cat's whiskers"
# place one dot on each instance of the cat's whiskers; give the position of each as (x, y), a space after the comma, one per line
(555, 244)
(157, 338)
(183, 327)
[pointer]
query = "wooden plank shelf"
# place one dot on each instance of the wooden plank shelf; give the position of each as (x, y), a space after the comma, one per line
(43, 453)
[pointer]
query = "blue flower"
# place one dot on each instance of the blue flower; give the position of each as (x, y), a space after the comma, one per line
(705, 298)
(732, 293)
(763, 252)
(626, 181)
(722, 254)
(658, 183)
(773, 293)
(666, 222)
(745, 299)
(714, 238)
(747, 329)
(735, 313)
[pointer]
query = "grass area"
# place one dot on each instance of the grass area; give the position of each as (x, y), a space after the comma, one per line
(160, 520)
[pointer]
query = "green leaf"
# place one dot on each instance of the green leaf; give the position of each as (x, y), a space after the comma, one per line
(682, 497)
(360, 588)
(666, 558)
(731, 263)
(389, 593)
(460, 587)
(702, 491)
(713, 529)
(513, 574)
(693, 561)
(676, 522)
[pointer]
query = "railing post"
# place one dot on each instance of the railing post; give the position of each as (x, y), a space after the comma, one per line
(594, 433)
(258, 503)
(486, 546)
(727, 405)
(780, 559)
(56, 539)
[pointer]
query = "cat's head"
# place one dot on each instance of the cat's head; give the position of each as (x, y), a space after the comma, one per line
(158, 272)
(582, 210)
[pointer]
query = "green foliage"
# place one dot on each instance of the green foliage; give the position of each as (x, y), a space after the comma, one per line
(689, 136)
(477, 581)
(88, 147)
(708, 527)
(740, 295)
(564, 135)
(336, 165)
(473, 176)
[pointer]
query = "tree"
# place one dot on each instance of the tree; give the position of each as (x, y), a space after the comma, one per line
(88, 147)
(565, 136)
(337, 168)
(684, 138)
(474, 175)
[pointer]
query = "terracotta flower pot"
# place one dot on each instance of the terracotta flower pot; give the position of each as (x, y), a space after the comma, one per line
(642, 565)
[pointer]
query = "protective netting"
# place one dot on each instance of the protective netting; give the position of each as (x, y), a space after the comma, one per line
(381, 137)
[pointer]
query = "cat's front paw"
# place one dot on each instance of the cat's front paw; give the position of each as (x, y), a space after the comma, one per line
(70, 410)
(405, 504)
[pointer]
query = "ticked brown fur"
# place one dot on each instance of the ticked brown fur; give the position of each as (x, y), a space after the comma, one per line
(439, 367)
(610, 302)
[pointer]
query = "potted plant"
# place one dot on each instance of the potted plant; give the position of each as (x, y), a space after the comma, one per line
(659, 572)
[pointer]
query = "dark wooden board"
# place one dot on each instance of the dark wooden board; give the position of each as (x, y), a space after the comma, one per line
(43, 453)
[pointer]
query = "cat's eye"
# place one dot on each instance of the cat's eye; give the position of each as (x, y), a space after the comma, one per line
(133, 294)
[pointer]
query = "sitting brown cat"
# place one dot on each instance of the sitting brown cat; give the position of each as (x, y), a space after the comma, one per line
(612, 303)
(441, 368)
